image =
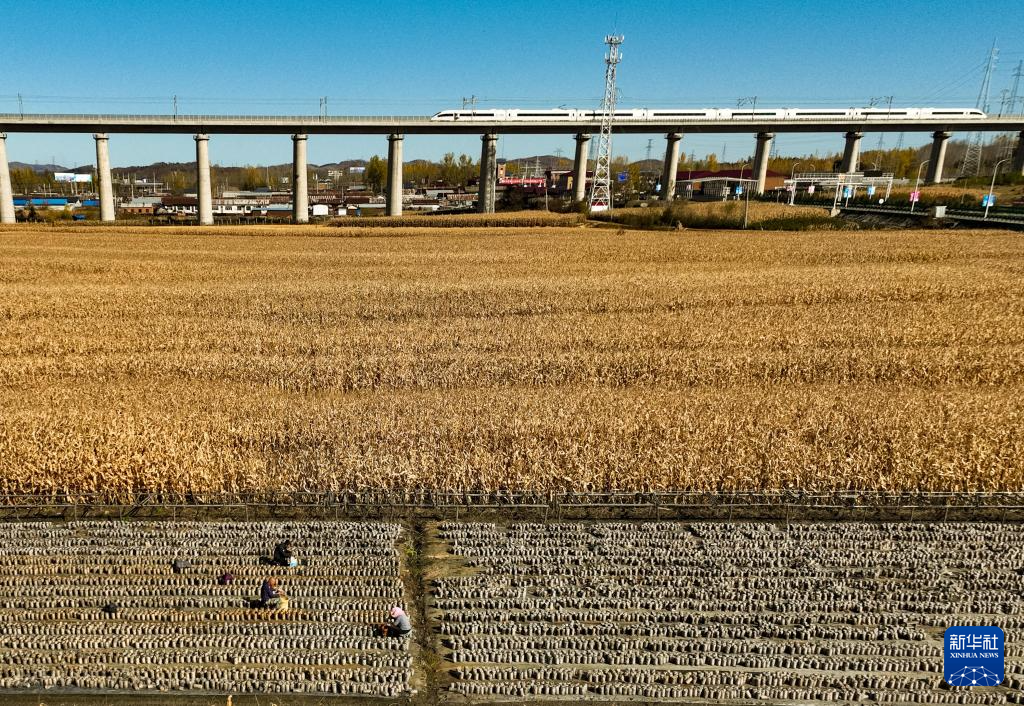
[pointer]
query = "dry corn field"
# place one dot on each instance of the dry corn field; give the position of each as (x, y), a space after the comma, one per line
(757, 211)
(951, 193)
(691, 211)
(558, 359)
(464, 220)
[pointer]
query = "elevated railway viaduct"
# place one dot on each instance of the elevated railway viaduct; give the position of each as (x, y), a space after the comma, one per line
(397, 127)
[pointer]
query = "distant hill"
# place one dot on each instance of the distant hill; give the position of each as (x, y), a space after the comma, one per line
(161, 168)
(161, 171)
(650, 165)
(550, 161)
(41, 168)
(546, 161)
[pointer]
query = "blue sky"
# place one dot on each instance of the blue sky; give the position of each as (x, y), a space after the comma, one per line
(418, 58)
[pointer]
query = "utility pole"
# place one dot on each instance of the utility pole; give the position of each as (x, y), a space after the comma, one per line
(601, 188)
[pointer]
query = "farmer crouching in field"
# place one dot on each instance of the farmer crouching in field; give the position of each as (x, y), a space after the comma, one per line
(398, 624)
(271, 596)
(283, 554)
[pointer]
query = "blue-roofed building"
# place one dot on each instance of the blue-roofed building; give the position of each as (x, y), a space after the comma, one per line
(42, 202)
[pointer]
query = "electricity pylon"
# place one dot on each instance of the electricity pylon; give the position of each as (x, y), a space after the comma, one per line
(972, 159)
(601, 188)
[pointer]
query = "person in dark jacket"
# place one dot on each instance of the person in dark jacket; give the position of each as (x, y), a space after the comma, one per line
(283, 555)
(270, 594)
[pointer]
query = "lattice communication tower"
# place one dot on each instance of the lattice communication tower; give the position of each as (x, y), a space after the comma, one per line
(601, 188)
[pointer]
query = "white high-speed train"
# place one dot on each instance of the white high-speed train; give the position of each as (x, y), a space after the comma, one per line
(663, 115)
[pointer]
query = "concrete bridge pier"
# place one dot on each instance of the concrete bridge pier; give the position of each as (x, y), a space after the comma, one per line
(1018, 155)
(6, 192)
(937, 159)
(764, 148)
(394, 203)
(851, 153)
(579, 168)
(488, 172)
(203, 192)
(668, 173)
(300, 179)
(104, 185)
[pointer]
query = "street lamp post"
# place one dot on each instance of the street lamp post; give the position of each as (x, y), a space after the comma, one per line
(992, 186)
(792, 176)
(746, 206)
(917, 185)
(746, 194)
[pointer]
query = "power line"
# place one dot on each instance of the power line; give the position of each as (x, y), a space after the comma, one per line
(958, 82)
(706, 101)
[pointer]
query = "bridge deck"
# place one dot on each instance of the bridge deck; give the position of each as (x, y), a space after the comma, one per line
(356, 125)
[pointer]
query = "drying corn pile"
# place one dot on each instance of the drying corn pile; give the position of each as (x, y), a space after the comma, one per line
(554, 360)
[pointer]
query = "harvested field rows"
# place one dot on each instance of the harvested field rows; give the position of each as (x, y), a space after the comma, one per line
(725, 613)
(716, 613)
(183, 631)
(474, 359)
